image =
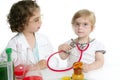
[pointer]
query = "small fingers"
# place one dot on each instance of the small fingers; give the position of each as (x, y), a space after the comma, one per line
(85, 68)
(65, 47)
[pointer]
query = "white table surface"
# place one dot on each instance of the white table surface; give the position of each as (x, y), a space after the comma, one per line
(108, 72)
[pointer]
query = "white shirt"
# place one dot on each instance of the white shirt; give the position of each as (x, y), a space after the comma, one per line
(88, 56)
(21, 47)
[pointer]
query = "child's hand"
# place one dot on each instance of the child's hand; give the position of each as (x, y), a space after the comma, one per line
(64, 47)
(42, 64)
(86, 68)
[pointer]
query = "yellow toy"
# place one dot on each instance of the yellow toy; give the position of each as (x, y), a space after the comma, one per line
(77, 75)
(66, 78)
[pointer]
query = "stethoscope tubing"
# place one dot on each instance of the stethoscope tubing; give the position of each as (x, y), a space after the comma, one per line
(81, 53)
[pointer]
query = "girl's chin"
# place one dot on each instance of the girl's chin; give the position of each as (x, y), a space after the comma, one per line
(38, 29)
(80, 36)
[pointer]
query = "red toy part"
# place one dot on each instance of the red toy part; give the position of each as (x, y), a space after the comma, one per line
(20, 70)
(33, 78)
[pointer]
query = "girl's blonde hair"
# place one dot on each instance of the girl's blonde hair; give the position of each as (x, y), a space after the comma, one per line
(84, 13)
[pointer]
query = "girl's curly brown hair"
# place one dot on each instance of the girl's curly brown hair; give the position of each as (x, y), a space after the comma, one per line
(20, 13)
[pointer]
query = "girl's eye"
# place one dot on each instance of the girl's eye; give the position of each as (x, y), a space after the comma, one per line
(77, 24)
(36, 20)
(85, 24)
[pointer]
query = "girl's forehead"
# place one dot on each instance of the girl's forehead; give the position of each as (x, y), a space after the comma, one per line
(36, 11)
(35, 14)
(82, 19)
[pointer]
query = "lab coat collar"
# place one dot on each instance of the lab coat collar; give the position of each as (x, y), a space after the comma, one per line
(26, 45)
(23, 40)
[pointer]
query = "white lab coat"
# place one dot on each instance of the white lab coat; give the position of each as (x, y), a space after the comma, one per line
(20, 45)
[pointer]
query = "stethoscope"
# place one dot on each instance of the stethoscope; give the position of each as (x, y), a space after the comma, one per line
(81, 53)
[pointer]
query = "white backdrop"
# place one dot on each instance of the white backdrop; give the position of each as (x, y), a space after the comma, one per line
(57, 23)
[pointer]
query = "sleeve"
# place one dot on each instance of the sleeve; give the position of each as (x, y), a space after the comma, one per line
(45, 47)
(49, 48)
(11, 44)
(100, 48)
